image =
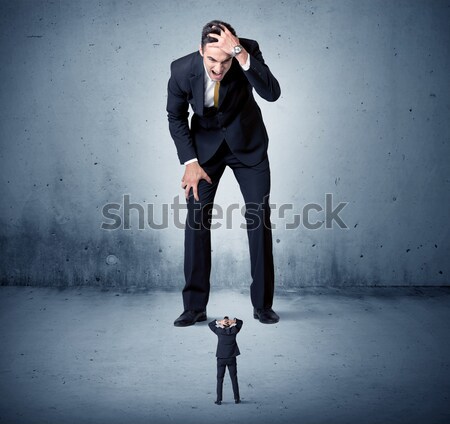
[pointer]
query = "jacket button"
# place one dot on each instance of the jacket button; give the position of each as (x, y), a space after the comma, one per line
(224, 129)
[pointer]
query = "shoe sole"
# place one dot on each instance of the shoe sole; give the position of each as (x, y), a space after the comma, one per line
(188, 325)
(256, 316)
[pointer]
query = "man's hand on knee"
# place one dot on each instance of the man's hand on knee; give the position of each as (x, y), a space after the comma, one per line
(192, 175)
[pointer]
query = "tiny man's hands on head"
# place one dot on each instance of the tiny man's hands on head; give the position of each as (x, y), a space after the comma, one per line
(224, 322)
(192, 175)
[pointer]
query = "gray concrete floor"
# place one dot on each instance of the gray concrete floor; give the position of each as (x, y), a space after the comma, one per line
(337, 356)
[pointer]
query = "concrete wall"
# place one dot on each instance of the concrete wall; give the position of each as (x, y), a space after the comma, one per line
(364, 116)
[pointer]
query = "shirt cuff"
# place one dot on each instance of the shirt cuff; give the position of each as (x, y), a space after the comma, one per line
(246, 65)
(190, 161)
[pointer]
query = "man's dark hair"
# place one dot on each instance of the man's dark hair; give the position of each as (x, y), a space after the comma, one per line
(226, 318)
(214, 27)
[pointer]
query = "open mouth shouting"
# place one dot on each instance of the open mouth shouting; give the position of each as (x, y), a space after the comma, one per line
(216, 75)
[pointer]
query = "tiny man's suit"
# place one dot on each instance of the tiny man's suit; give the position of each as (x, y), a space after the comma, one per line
(227, 350)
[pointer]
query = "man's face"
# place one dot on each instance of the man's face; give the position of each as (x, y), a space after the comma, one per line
(217, 62)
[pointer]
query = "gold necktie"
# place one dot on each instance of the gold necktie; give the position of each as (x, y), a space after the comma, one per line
(216, 94)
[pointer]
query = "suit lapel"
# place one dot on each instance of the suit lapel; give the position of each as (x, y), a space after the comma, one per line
(223, 89)
(197, 84)
(228, 81)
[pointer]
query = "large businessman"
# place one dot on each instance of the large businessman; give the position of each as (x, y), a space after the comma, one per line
(226, 129)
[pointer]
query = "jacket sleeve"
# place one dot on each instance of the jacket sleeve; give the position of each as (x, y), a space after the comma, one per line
(260, 76)
(238, 324)
(212, 326)
(178, 113)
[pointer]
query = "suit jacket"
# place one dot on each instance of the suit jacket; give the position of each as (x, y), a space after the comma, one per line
(226, 346)
(238, 118)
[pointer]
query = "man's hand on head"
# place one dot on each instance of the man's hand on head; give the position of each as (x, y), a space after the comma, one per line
(192, 175)
(226, 41)
(223, 322)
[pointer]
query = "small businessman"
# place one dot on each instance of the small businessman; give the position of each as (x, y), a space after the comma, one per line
(227, 350)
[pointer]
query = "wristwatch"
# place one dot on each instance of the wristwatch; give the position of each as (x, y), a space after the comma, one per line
(236, 50)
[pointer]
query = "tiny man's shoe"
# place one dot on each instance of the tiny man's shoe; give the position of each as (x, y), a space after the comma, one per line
(266, 315)
(189, 318)
(218, 402)
(237, 401)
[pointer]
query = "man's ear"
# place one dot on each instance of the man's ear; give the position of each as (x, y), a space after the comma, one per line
(200, 50)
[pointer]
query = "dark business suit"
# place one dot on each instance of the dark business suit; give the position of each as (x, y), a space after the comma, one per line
(232, 135)
(227, 350)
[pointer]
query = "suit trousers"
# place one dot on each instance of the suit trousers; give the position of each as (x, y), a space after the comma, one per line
(254, 182)
(222, 363)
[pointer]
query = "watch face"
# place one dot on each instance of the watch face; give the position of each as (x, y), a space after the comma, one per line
(237, 49)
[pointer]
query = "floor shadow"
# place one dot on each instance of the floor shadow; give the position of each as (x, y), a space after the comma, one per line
(298, 315)
(243, 402)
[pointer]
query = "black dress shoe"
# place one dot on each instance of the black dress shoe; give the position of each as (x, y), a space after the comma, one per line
(218, 402)
(266, 315)
(237, 401)
(189, 318)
